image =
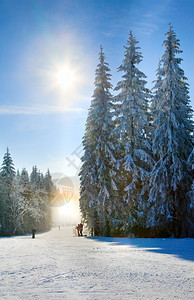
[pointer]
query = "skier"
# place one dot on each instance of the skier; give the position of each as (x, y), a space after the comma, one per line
(33, 233)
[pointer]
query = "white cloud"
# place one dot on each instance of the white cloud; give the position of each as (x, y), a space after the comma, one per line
(145, 28)
(37, 110)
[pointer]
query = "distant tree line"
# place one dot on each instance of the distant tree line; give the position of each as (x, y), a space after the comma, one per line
(24, 199)
(137, 168)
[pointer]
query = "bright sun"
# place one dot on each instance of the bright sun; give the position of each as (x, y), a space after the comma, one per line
(65, 78)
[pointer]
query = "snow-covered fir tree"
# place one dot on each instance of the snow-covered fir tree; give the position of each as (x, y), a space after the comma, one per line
(45, 198)
(13, 201)
(2, 208)
(27, 194)
(190, 195)
(88, 184)
(49, 186)
(17, 210)
(98, 189)
(34, 176)
(24, 181)
(172, 145)
(35, 201)
(132, 130)
(7, 172)
(7, 175)
(40, 203)
(24, 201)
(157, 93)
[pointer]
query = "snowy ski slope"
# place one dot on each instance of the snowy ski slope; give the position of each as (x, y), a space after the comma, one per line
(57, 265)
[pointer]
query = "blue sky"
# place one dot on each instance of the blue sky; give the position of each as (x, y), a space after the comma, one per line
(43, 123)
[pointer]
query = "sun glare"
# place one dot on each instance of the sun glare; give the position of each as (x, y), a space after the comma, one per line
(68, 209)
(65, 78)
(67, 214)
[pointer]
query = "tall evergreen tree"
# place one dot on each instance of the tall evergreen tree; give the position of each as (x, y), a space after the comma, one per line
(190, 196)
(40, 206)
(97, 173)
(2, 208)
(24, 201)
(25, 184)
(7, 176)
(132, 127)
(13, 202)
(172, 144)
(27, 194)
(34, 176)
(7, 172)
(49, 186)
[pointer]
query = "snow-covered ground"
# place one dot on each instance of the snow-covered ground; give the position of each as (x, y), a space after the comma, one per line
(57, 265)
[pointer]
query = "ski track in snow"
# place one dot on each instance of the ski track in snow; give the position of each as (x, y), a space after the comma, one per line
(56, 265)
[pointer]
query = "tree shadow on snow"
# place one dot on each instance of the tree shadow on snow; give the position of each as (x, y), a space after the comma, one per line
(181, 248)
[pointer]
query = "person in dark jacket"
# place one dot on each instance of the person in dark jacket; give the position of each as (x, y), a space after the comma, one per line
(81, 229)
(33, 233)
